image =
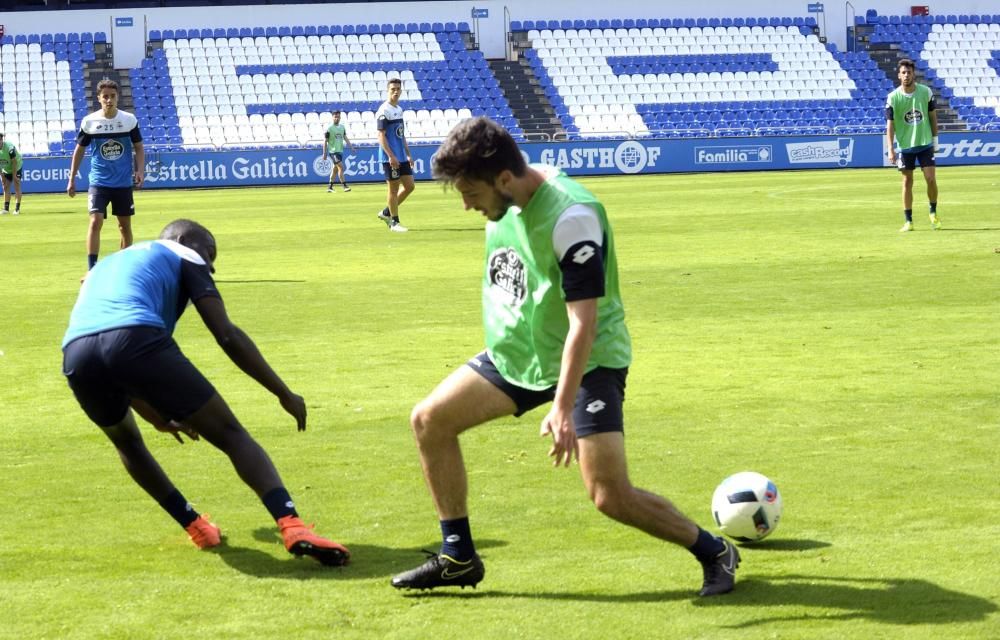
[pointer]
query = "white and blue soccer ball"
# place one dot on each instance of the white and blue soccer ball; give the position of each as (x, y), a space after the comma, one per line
(746, 506)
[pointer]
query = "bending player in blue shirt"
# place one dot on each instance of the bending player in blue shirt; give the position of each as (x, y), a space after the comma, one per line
(118, 352)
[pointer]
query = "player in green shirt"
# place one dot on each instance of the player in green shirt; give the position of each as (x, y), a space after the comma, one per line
(555, 332)
(11, 162)
(911, 120)
(336, 136)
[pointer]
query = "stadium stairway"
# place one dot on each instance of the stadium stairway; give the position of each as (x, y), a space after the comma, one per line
(527, 99)
(958, 56)
(887, 58)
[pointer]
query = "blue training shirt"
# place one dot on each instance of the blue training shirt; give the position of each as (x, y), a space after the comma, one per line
(148, 284)
(112, 142)
(390, 119)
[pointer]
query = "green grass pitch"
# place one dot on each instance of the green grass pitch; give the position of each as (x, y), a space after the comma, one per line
(780, 324)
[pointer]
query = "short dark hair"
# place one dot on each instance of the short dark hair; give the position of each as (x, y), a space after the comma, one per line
(478, 149)
(394, 81)
(108, 83)
(185, 227)
(905, 62)
(336, 111)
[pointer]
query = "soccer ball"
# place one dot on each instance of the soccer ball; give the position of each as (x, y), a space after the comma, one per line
(746, 506)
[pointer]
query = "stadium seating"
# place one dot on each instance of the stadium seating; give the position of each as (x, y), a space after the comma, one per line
(248, 88)
(701, 77)
(959, 56)
(42, 90)
(276, 86)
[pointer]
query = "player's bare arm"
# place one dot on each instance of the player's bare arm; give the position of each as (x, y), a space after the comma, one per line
(245, 354)
(153, 417)
(74, 166)
(890, 134)
(140, 165)
(559, 420)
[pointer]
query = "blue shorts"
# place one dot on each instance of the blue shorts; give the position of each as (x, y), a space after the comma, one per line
(599, 401)
(395, 174)
(120, 199)
(106, 370)
(337, 157)
(907, 161)
(10, 176)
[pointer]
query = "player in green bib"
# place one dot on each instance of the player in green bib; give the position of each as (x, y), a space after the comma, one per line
(555, 332)
(911, 120)
(11, 163)
(336, 136)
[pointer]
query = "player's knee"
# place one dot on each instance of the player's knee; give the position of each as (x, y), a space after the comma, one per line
(420, 421)
(611, 499)
(425, 423)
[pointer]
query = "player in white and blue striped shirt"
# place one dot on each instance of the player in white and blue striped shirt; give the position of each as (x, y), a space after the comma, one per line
(117, 166)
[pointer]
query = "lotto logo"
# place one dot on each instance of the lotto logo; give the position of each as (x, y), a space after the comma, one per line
(583, 254)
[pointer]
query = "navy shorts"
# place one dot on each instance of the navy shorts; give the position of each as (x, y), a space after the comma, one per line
(337, 157)
(907, 161)
(395, 174)
(10, 176)
(106, 370)
(599, 401)
(120, 199)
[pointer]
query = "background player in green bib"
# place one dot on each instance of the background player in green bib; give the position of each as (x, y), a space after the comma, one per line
(911, 120)
(555, 332)
(336, 136)
(11, 162)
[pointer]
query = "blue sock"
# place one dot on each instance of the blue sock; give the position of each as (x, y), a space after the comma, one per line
(179, 508)
(933, 207)
(457, 539)
(707, 546)
(279, 504)
(91, 260)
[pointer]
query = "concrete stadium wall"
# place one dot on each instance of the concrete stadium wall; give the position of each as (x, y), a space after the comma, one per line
(833, 23)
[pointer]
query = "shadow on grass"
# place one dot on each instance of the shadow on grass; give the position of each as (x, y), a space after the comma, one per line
(902, 601)
(786, 545)
(257, 281)
(367, 561)
(889, 601)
